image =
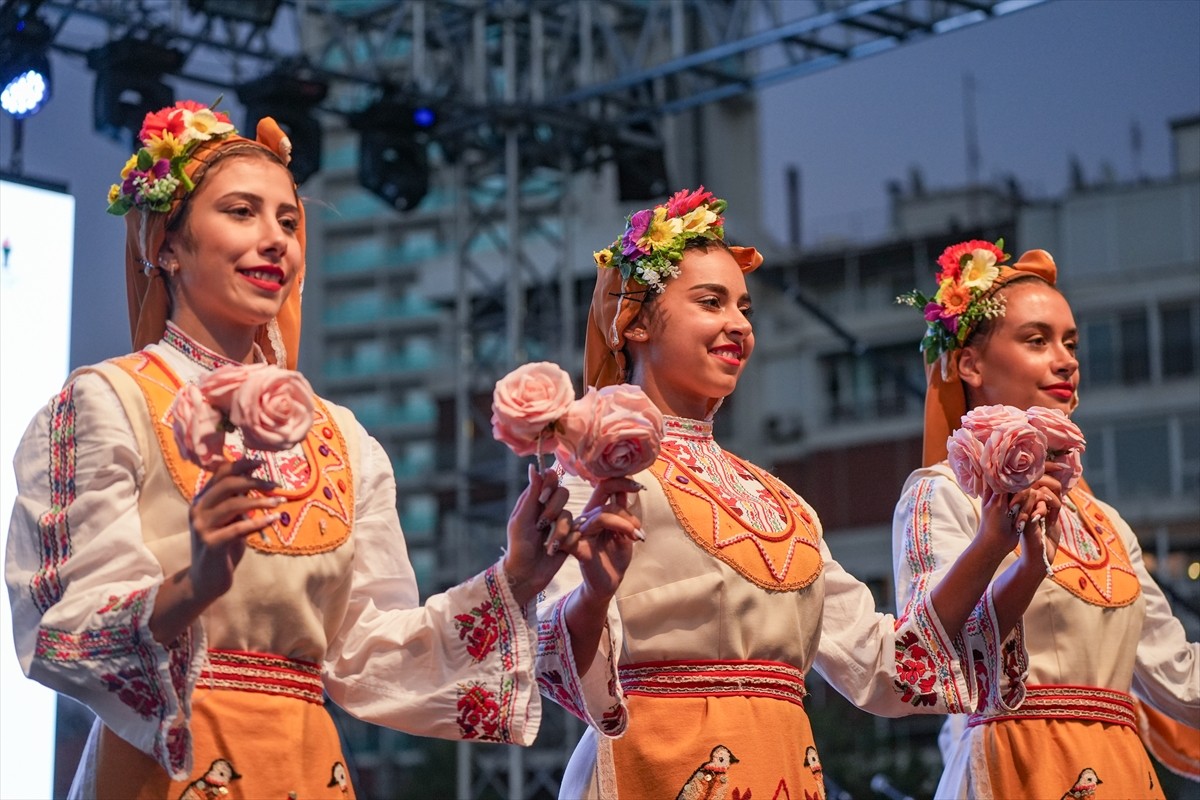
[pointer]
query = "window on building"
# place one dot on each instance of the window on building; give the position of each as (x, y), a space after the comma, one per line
(1141, 459)
(1180, 335)
(883, 382)
(1189, 466)
(1134, 359)
(1098, 353)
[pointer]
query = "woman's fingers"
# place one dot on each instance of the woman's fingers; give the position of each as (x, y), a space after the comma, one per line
(611, 488)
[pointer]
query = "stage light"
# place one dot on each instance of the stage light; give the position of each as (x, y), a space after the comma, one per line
(393, 162)
(259, 13)
(129, 84)
(289, 97)
(25, 81)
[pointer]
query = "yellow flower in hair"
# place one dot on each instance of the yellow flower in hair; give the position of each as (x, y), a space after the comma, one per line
(662, 231)
(130, 165)
(164, 146)
(603, 258)
(698, 220)
(980, 269)
(114, 192)
(202, 125)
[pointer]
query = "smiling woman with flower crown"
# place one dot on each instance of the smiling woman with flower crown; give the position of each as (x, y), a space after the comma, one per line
(686, 650)
(1056, 716)
(201, 549)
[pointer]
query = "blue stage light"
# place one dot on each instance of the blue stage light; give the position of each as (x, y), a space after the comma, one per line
(25, 81)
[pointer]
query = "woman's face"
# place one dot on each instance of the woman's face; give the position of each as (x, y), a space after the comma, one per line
(690, 348)
(1029, 358)
(238, 256)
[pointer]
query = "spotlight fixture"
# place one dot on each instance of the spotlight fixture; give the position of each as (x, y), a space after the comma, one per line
(289, 96)
(392, 159)
(129, 84)
(259, 13)
(25, 82)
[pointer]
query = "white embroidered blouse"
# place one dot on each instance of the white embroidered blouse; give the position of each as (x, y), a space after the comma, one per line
(83, 581)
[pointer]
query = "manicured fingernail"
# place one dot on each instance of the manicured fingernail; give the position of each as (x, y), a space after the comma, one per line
(543, 525)
(276, 500)
(552, 548)
(639, 534)
(1021, 526)
(545, 494)
(638, 485)
(532, 472)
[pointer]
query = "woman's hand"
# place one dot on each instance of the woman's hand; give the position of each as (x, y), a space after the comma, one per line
(1023, 517)
(528, 565)
(601, 538)
(220, 518)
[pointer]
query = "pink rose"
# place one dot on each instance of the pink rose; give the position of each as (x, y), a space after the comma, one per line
(273, 407)
(219, 385)
(1061, 434)
(1014, 457)
(1066, 468)
(966, 456)
(612, 432)
(198, 428)
(982, 420)
(527, 402)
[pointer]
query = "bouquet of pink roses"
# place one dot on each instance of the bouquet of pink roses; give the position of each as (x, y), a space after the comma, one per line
(611, 432)
(272, 407)
(1006, 449)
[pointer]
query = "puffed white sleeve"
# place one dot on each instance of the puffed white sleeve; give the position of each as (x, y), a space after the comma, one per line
(82, 582)
(886, 665)
(934, 523)
(595, 697)
(459, 666)
(1166, 673)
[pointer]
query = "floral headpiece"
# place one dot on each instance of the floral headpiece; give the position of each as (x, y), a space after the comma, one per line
(650, 249)
(169, 137)
(963, 298)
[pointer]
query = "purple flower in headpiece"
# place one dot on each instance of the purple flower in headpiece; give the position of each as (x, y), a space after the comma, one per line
(638, 223)
(951, 322)
(933, 312)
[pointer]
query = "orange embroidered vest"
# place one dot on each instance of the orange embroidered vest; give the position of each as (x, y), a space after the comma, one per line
(1101, 573)
(318, 512)
(732, 528)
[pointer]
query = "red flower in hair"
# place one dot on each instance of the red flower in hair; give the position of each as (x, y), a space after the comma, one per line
(952, 257)
(684, 201)
(165, 119)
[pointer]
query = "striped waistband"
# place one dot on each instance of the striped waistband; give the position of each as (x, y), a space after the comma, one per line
(714, 678)
(1083, 703)
(265, 673)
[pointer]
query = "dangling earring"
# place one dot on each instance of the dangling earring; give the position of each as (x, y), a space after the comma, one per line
(169, 268)
(148, 267)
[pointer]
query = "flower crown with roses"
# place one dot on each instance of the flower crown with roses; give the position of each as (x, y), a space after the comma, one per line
(963, 297)
(169, 137)
(650, 249)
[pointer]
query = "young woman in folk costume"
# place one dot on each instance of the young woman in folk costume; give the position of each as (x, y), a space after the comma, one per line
(1056, 717)
(202, 615)
(689, 666)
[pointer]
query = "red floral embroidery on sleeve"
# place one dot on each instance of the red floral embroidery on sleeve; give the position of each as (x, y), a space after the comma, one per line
(478, 713)
(480, 629)
(916, 674)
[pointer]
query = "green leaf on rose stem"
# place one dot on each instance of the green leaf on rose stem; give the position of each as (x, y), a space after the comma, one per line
(144, 160)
